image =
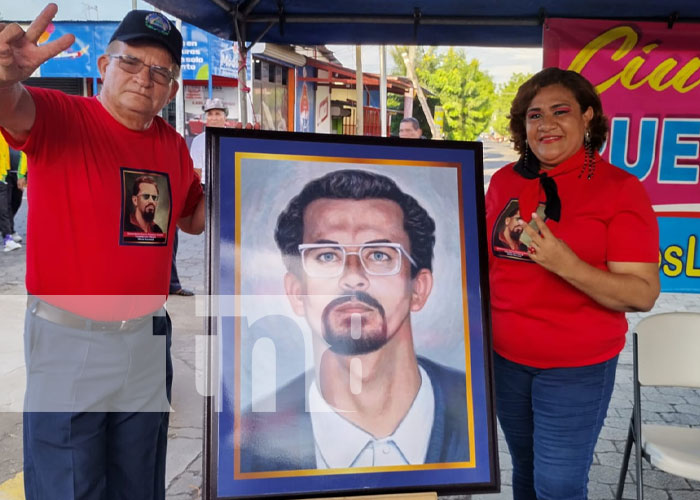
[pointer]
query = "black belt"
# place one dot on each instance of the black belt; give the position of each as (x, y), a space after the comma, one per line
(54, 314)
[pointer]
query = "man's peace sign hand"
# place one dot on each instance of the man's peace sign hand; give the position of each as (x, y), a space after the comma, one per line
(19, 53)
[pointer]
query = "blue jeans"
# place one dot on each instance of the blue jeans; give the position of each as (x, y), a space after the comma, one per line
(551, 419)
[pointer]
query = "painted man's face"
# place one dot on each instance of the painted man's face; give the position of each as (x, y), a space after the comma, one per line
(513, 228)
(146, 202)
(357, 312)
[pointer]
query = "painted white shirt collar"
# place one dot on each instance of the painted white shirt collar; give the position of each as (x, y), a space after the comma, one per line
(341, 444)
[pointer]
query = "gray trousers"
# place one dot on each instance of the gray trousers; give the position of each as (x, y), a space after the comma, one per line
(96, 411)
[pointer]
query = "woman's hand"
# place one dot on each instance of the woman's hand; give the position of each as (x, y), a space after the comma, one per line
(546, 249)
(625, 286)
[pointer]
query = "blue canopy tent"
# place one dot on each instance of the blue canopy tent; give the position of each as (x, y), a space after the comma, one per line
(496, 23)
(505, 23)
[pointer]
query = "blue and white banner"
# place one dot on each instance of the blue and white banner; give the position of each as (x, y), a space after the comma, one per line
(201, 52)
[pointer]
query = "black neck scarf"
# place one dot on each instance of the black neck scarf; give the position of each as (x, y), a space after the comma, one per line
(530, 169)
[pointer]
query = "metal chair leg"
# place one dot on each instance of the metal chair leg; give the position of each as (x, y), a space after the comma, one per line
(625, 462)
(637, 420)
(640, 458)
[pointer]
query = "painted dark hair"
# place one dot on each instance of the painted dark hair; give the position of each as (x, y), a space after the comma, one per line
(356, 185)
(144, 179)
(585, 94)
(511, 209)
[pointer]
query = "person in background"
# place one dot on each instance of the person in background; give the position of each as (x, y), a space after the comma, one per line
(215, 113)
(9, 159)
(558, 311)
(97, 336)
(409, 128)
(16, 180)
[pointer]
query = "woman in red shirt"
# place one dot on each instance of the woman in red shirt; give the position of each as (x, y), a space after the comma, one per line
(587, 252)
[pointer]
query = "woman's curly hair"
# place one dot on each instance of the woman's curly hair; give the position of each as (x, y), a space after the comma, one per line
(583, 90)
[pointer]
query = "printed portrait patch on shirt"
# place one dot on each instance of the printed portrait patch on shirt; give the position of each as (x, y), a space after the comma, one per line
(509, 239)
(146, 207)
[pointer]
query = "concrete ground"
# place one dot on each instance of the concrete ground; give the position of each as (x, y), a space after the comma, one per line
(184, 471)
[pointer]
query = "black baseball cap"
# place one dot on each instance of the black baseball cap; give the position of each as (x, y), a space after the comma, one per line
(149, 25)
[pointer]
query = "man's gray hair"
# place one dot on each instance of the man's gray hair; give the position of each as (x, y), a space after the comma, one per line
(412, 121)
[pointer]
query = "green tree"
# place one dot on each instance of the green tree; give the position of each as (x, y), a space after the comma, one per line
(504, 97)
(396, 102)
(426, 57)
(464, 91)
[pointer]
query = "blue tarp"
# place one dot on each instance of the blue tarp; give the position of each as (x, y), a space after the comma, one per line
(91, 39)
(511, 23)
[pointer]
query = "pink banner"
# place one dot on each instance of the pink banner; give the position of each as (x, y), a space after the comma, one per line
(648, 76)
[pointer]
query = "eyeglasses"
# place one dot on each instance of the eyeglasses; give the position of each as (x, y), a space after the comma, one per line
(133, 65)
(322, 260)
(145, 196)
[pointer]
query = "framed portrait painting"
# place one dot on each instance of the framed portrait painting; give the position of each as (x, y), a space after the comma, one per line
(348, 317)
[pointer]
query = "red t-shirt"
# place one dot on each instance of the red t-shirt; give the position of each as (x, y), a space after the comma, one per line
(538, 318)
(88, 176)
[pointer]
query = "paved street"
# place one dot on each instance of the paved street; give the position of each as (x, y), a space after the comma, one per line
(184, 475)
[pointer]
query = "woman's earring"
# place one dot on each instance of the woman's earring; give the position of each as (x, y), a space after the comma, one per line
(589, 160)
(527, 148)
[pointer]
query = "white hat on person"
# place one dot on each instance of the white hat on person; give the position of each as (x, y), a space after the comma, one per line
(214, 103)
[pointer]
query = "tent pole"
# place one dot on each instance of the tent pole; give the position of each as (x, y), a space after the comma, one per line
(243, 89)
(180, 97)
(359, 107)
(242, 84)
(409, 58)
(382, 89)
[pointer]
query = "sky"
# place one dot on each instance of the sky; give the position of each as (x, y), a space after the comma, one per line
(499, 62)
(70, 10)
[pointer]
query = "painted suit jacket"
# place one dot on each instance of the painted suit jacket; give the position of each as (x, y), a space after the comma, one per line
(283, 440)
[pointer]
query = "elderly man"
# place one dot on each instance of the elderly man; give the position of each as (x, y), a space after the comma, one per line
(96, 334)
(409, 128)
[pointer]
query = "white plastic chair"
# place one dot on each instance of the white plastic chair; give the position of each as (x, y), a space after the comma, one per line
(666, 353)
